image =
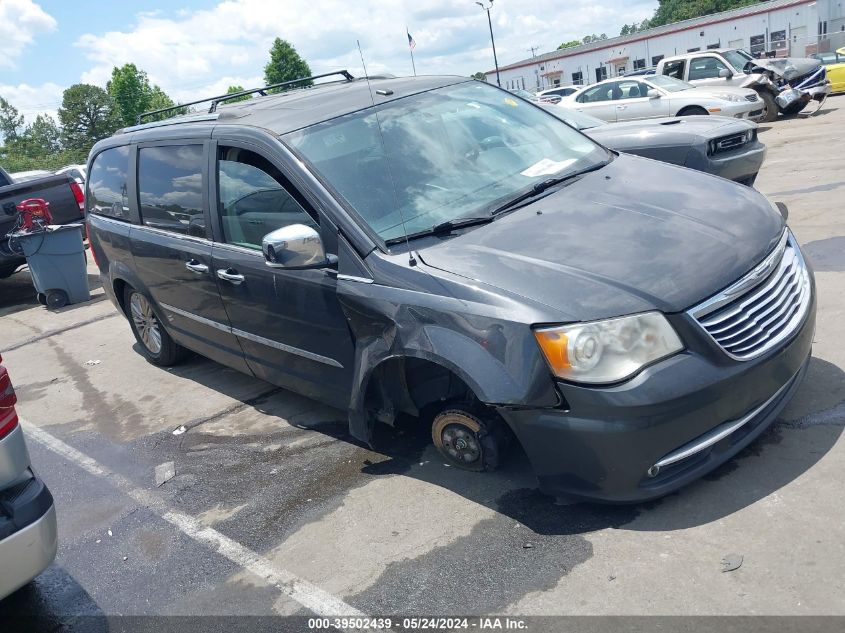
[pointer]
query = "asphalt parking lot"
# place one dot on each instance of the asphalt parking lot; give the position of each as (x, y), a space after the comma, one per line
(273, 509)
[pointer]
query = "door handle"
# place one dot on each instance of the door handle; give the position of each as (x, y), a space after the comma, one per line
(195, 267)
(621, 107)
(232, 277)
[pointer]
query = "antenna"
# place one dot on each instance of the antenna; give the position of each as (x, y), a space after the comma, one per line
(411, 259)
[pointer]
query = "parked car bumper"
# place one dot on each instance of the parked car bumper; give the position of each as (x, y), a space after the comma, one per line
(741, 165)
(28, 533)
(741, 110)
(606, 445)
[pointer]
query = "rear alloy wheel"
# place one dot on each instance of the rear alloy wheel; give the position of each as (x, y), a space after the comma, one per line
(155, 342)
(465, 440)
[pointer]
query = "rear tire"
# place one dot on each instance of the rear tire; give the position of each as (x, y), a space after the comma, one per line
(693, 111)
(770, 107)
(156, 344)
(468, 441)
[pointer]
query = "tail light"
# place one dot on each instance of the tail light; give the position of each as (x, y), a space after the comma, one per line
(8, 398)
(78, 195)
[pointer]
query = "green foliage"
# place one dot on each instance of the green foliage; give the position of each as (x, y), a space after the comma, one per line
(13, 161)
(593, 38)
(669, 11)
(87, 115)
(570, 44)
(285, 64)
(479, 76)
(133, 94)
(235, 89)
(38, 140)
(11, 121)
(130, 90)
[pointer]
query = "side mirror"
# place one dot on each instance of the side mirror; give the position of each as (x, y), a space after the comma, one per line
(652, 94)
(294, 246)
(725, 73)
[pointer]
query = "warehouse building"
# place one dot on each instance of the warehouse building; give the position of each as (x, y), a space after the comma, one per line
(781, 28)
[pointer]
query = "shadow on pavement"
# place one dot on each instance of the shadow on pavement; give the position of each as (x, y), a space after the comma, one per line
(18, 294)
(54, 601)
(511, 490)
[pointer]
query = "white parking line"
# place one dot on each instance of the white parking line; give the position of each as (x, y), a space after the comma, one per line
(308, 595)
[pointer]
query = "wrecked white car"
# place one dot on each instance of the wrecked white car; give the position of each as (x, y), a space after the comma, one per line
(785, 84)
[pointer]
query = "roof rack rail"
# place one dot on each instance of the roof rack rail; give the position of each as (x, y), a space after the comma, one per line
(262, 91)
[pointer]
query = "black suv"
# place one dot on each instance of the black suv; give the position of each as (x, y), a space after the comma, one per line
(439, 248)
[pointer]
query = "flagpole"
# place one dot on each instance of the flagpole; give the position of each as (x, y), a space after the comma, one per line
(411, 49)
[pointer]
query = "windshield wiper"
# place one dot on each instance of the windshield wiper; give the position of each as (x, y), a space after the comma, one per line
(444, 227)
(542, 187)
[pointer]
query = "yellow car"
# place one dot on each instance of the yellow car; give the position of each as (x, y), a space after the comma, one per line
(835, 65)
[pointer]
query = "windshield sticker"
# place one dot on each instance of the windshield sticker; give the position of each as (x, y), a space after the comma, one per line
(546, 167)
(511, 102)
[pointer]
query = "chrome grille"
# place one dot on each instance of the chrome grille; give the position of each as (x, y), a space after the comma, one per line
(763, 308)
(752, 98)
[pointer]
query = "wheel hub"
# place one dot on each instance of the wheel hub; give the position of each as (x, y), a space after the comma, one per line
(146, 323)
(461, 444)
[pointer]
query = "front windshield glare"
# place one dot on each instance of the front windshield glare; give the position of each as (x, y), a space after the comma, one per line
(669, 83)
(736, 59)
(453, 152)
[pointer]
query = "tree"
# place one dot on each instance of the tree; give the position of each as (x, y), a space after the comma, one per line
(234, 90)
(158, 99)
(87, 115)
(41, 138)
(479, 76)
(131, 91)
(570, 44)
(285, 64)
(11, 121)
(669, 11)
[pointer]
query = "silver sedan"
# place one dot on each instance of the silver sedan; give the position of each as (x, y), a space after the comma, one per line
(637, 98)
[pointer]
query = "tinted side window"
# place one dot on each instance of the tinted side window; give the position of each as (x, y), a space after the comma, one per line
(170, 186)
(630, 90)
(107, 184)
(705, 68)
(674, 69)
(255, 198)
(603, 92)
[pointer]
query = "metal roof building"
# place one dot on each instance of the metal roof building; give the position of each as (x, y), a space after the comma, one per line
(794, 28)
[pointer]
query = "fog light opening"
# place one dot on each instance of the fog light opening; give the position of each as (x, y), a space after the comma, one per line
(652, 472)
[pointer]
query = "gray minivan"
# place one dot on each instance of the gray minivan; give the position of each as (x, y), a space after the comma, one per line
(435, 247)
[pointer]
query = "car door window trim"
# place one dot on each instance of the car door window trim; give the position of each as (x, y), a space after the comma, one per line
(253, 337)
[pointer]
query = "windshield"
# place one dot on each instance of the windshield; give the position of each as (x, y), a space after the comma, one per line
(454, 152)
(578, 120)
(669, 83)
(737, 59)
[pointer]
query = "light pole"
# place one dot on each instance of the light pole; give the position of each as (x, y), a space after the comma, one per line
(492, 41)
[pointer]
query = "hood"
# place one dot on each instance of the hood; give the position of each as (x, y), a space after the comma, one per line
(718, 90)
(636, 235)
(789, 67)
(666, 131)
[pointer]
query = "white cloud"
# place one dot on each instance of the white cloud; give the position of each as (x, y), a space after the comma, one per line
(21, 23)
(34, 100)
(192, 54)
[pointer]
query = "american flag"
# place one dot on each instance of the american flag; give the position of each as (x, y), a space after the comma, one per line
(411, 43)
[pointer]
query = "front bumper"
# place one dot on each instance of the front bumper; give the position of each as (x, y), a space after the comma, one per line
(741, 165)
(604, 445)
(28, 533)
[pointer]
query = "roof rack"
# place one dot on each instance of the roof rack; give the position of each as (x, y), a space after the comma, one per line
(262, 91)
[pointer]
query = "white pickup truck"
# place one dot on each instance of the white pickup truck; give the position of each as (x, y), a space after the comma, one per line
(785, 84)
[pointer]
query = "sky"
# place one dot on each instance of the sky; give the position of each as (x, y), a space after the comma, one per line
(197, 48)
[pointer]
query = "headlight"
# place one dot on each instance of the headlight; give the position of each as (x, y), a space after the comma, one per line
(607, 351)
(729, 97)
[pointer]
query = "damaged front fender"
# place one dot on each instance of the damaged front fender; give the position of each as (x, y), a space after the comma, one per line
(490, 349)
